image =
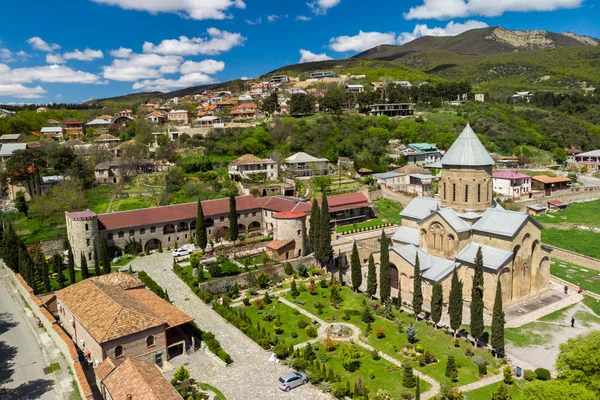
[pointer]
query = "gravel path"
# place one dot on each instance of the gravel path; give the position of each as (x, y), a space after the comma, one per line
(251, 376)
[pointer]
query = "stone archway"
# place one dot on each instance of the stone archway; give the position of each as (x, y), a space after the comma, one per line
(221, 232)
(394, 278)
(506, 279)
(254, 226)
(544, 273)
(152, 244)
(517, 272)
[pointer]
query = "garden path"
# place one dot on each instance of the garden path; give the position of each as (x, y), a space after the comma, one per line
(484, 382)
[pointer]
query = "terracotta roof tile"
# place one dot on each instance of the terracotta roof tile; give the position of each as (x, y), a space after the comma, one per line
(548, 179)
(278, 244)
(289, 215)
(106, 367)
(48, 315)
(121, 279)
(169, 313)
(83, 383)
(249, 159)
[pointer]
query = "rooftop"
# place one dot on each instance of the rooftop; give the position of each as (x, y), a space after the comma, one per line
(289, 215)
(549, 179)
(302, 157)
(593, 153)
(8, 149)
(493, 257)
(512, 175)
(250, 159)
(502, 222)
(387, 175)
(420, 207)
(467, 150)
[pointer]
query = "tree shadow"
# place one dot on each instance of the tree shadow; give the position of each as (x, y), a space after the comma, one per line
(7, 322)
(30, 390)
(7, 354)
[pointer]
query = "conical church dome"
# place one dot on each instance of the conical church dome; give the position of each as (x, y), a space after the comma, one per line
(467, 150)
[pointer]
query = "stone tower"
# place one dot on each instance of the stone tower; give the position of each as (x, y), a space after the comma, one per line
(466, 183)
(83, 234)
(291, 226)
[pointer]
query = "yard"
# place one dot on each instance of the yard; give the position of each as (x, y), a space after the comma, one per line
(587, 214)
(586, 278)
(437, 342)
(515, 390)
(576, 240)
(388, 212)
(33, 231)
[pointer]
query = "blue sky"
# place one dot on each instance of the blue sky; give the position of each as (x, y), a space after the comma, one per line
(75, 50)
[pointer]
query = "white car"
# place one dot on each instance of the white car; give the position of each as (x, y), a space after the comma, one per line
(181, 252)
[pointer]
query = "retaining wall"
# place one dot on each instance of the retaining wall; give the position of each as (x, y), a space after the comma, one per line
(393, 196)
(565, 197)
(575, 258)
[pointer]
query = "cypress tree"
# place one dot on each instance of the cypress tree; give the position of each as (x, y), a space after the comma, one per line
(85, 273)
(314, 228)
(104, 258)
(71, 265)
(294, 289)
(477, 299)
(325, 249)
(10, 250)
(356, 270)
(408, 379)
(201, 237)
(58, 268)
(45, 274)
(372, 277)
(340, 271)
(455, 304)
(498, 321)
(26, 267)
(437, 303)
(450, 366)
(384, 269)
(418, 389)
(97, 271)
(233, 221)
(417, 302)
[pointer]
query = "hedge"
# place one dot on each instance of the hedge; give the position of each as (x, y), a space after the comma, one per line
(192, 282)
(151, 284)
(213, 344)
(238, 318)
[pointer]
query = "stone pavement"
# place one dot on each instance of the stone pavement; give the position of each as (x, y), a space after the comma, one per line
(484, 382)
(251, 376)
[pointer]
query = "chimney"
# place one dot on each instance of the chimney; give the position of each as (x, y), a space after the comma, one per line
(129, 397)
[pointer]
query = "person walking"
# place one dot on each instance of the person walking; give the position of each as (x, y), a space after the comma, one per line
(566, 289)
(572, 322)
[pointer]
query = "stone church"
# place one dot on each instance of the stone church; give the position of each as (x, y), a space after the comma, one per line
(446, 233)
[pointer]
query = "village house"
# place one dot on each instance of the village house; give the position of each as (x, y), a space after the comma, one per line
(180, 117)
(55, 132)
(48, 182)
(549, 185)
(10, 138)
(421, 154)
(247, 166)
(279, 79)
(520, 96)
(323, 74)
(355, 89)
(125, 113)
(511, 184)
(259, 89)
(590, 160)
(156, 117)
(74, 129)
(99, 125)
(377, 85)
(41, 109)
(244, 111)
(388, 178)
(107, 138)
(7, 150)
(209, 121)
(305, 165)
(115, 316)
(119, 169)
(392, 110)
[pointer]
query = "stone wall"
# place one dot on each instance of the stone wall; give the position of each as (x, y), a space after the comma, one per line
(565, 197)
(575, 258)
(395, 197)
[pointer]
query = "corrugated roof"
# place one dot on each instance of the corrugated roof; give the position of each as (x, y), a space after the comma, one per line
(493, 257)
(432, 268)
(502, 222)
(387, 175)
(593, 153)
(452, 218)
(550, 179)
(8, 149)
(420, 207)
(407, 235)
(302, 157)
(512, 175)
(467, 150)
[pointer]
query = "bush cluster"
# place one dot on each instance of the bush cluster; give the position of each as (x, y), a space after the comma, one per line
(238, 318)
(192, 282)
(151, 284)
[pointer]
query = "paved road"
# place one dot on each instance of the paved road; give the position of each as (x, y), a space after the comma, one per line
(22, 362)
(251, 376)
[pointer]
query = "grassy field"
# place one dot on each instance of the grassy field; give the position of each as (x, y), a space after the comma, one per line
(528, 335)
(33, 231)
(438, 342)
(485, 393)
(587, 214)
(388, 212)
(578, 241)
(592, 303)
(587, 279)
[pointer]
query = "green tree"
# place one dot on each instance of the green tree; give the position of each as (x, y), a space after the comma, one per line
(501, 393)
(42, 267)
(557, 389)
(449, 392)
(418, 389)
(508, 375)
(333, 101)
(314, 228)
(559, 155)
(372, 277)
(437, 303)
(294, 289)
(85, 273)
(477, 299)
(270, 104)
(104, 257)
(201, 237)
(181, 374)
(408, 377)
(578, 361)
(455, 303)
(384, 269)
(233, 221)
(498, 322)
(11, 243)
(325, 249)
(367, 315)
(26, 268)
(302, 104)
(57, 263)
(355, 268)
(71, 265)
(21, 203)
(97, 271)
(417, 302)
(450, 366)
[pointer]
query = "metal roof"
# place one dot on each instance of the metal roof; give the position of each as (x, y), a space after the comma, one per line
(99, 121)
(537, 207)
(470, 215)
(407, 235)
(8, 149)
(48, 129)
(432, 268)
(10, 136)
(420, 207)
(387, 175)
(467, 150)
(593, 153)
(502, 222)
(452, 218)
(493, 257)
(302, 157)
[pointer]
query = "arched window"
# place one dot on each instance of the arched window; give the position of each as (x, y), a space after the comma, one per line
(121, 234)
(86, 227)
(466, 193)
(131, 232)
(118, 351)
(110, 236)
(150, 341)
(142, 231)
(454, 192)
(152, 229)
(479, 193)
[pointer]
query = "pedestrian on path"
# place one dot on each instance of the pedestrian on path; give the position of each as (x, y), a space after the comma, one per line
(566, 289)
(572, 322)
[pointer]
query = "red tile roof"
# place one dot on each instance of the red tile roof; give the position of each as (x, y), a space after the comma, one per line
(158, 215)
(281, 204)
(289, 215)
(512, 175)
(556, 203)
(548, 179)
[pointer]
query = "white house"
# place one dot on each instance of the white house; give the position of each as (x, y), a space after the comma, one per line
(302, 164)
(511, 184)
(355, 88)
(388, 178)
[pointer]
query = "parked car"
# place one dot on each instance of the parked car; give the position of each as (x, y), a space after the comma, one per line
(181, 252)
(292, 380)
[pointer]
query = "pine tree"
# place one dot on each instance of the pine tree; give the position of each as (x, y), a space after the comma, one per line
(325, 249)
(498, 322)
(408, 379)
(233, 221)
(450, 366)
(201, 237)
(104, 258)
(384, 269)
(477, 299)
(418, 389)
(455, 304)
(501, 392)
(10, 248)
(437, 303)
(85, 273)
(417, 290)
(314, 228)
(42, 270)
(97, 271)
(26, 267)
(372, 277)
(71, 265)
(294, 289)
(356, 270)
(367, 316)
(58, 269)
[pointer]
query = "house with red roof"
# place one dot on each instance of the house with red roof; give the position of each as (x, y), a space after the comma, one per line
(511, 183)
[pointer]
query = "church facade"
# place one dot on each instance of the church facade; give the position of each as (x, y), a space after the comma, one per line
(447, 232)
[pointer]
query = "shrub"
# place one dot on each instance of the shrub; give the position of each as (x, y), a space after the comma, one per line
(508, 377)
(345, 317)
(456, 343)
(411, 333)
(267, 299)
(380, 333)
(302, 323)
(281, 350)
(483, 369)
(375, 355)
(408, 380)
(294, 334)
(350, 357)
(311, 331)
(529, 375)
(288, 269)
(246, 301)
(478, 360)
(205, 296)
(330, 344)
(340, 390)
(543, 374)
(323, 283)
(469, 352)
(262, 280)
(299, 364)
(259, 304)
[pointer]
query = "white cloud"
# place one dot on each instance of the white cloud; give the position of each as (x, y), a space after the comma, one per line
(6, 55)
(451, 29)
(219, 41)
(205, 67)
(39, 44)
(59, 96)
(320, 7)
(256, 21)
(163, 85)
(275, 17)
(21, 92)
(446, 9)
(361, 42)
(309, 56)
(54, 59)
(85, 55)
(245, 78)
(121, 52)
(48, 73)
(302, 18)
(142, 66)
(194, 9)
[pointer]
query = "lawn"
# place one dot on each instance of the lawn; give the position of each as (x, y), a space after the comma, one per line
(515, 390)
(529, 334)
(388, 211)
(438, 342)
(592, 303)
(33, 231)
(578, 241)
(587, 214)
(289, 321)
(375, 374)
(586, 278)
